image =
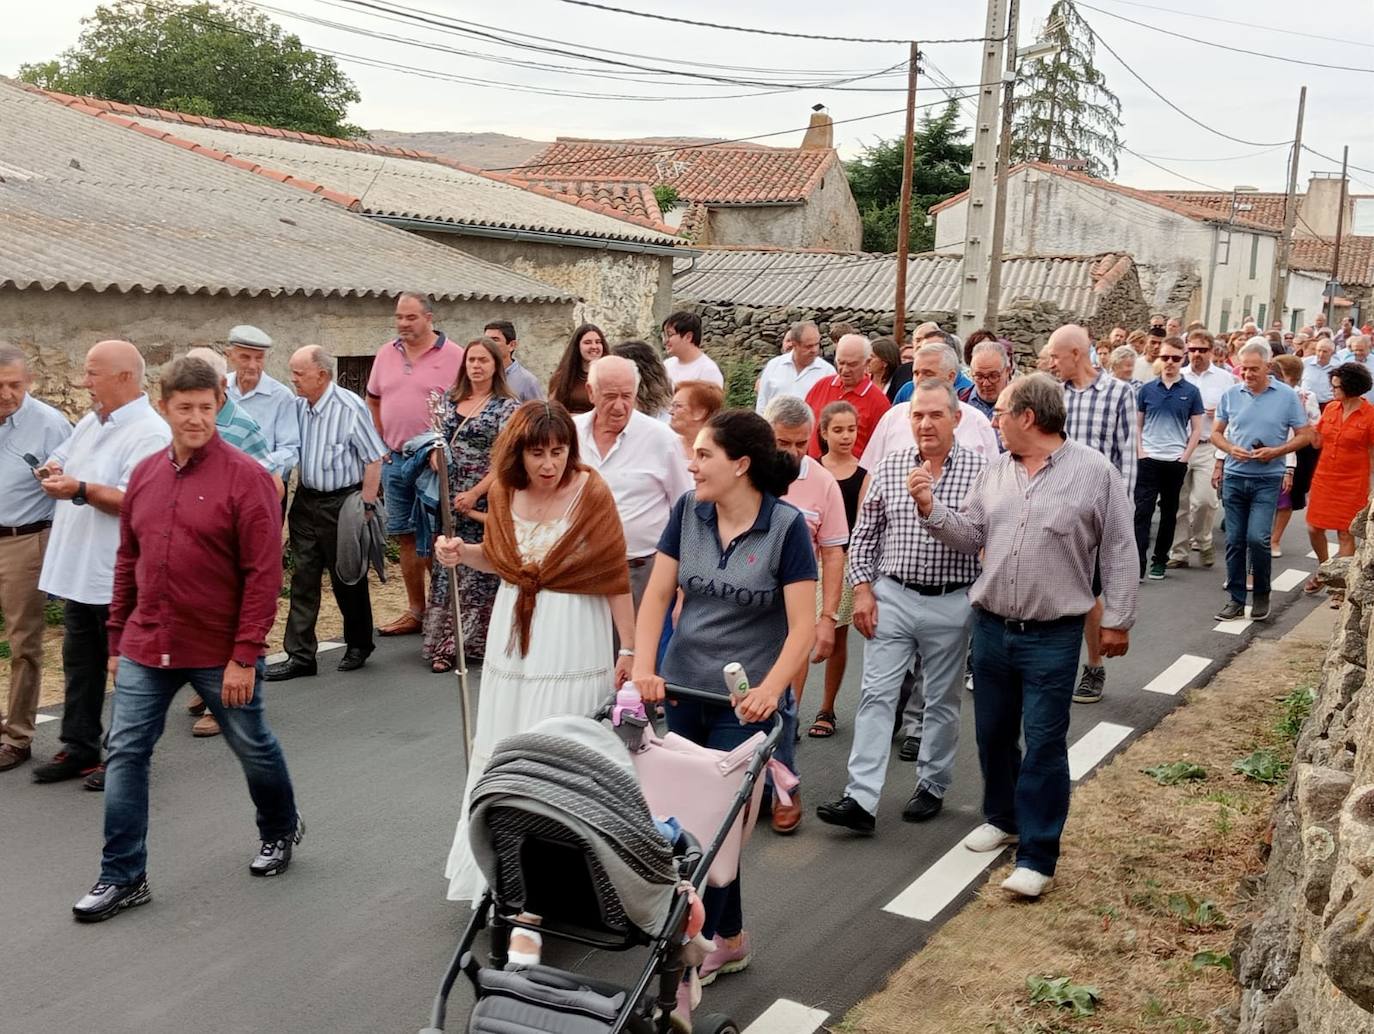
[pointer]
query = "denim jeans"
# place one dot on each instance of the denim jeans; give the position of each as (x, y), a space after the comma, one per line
(1249, 504)
(141, 698)
(85, 654)
(1023, 683)
(716, 726)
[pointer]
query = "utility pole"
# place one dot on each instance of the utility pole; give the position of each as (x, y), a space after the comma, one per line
(973, 295)
(1336, 252)
(999, 214)
(1278, 289)
(904, 208)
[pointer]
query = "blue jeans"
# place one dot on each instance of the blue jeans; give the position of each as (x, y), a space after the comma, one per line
(1023, 683)
(716, 726)
(399, 493)
(1249, 504)
(141, 698)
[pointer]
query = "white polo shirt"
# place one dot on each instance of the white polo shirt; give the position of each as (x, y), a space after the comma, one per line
(1212, 383)
(781, 377)
(702, 368)
(79, 564)
(646, 471)
(973, 432)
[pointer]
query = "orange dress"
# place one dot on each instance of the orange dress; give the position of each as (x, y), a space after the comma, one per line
(1340, 485)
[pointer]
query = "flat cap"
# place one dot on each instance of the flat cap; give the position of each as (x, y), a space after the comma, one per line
(249, 337)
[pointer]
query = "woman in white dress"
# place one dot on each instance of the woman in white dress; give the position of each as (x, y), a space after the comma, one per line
(553, 536)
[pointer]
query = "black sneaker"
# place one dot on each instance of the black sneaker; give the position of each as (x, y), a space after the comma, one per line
(1259, 606)
(64, 766)
(847, 812)
(107, 900)
(1231, 612)
(910, 750)
(95, 781)
(275, 855)
(1090, 685)
(923, 805)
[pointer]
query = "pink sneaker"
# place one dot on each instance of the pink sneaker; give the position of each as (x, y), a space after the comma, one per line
(688, 998)
(725, 960)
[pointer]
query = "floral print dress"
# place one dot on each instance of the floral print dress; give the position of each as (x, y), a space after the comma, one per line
(470, 440)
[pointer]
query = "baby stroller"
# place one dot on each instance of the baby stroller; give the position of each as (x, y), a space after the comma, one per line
(561, 830)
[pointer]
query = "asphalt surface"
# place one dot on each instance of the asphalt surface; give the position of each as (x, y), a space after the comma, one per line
(355, 935)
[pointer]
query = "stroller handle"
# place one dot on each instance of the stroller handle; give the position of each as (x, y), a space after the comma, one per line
(709, 696)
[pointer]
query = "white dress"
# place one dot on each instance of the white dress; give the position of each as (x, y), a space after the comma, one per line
(568, 670)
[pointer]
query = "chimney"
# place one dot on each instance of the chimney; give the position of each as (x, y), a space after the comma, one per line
(1318, 208)
(820, 134)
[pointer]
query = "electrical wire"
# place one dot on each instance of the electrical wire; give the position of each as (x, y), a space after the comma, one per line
(1246, 25)
(1233, 158)
(1335, 161)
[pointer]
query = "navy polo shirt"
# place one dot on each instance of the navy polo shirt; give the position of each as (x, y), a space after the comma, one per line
(1169, 410)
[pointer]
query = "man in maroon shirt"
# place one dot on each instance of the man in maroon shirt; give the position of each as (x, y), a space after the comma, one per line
(200, 507)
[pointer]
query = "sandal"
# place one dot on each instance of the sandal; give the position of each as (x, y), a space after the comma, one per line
(1313, 586)
(440, 665)
(824, 726)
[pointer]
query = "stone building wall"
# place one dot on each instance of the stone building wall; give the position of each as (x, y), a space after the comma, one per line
(1307, 965)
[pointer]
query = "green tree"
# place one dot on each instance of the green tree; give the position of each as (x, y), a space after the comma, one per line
(940, 164)
(218, 60)
(1063, 107)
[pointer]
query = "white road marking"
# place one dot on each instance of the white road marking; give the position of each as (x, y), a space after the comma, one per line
(944, 881)
(1288, 580)
(1093, 746)
(1235, 627)
(787, 1017)
(1177, 675)
(1311, 554)
(40, 719)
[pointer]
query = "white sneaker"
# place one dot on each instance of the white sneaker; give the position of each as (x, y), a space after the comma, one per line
(988, 837)
(1027, 883)
(1276, 552)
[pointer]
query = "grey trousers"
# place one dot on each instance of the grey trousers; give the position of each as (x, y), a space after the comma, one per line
(938, 628)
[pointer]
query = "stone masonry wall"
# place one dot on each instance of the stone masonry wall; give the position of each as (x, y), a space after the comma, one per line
(1307, 965)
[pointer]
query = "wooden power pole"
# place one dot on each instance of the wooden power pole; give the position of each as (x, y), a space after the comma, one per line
(904, 209)
(1278, 288)
(1336, 251)
(999, 212)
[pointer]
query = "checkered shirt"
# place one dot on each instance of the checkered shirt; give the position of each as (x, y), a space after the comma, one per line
(1103, 417)
(888, 536)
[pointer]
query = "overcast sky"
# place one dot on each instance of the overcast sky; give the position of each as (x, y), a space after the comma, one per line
(1242, 94)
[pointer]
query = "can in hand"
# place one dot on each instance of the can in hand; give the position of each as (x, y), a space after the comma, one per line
(736, 682)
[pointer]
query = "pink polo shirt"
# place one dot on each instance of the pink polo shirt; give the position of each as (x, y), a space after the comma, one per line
(404, 387)
(816, 494)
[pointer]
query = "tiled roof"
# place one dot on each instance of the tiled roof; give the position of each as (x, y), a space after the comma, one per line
(391, 180)
(706, 174)
(864, 281)
(85, 203)
(1357, 258)
(1202, 212)
(636, 198)
(1265, 208)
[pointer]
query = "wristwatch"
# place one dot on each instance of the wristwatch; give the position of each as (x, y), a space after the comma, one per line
(80, 498)
(241, 664)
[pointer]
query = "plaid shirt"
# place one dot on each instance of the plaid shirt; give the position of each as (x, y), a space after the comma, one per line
(889, 538)
(1103, 416)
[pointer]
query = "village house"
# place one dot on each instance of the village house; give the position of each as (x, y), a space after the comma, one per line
(725, 194)
(107, 232)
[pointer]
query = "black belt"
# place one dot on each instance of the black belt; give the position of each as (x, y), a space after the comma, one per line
(639, 561)
(1018, 625)
(24, 529)
(302, 490)
(928, 589)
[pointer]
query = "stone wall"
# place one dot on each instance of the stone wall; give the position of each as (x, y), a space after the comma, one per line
(1307, 965)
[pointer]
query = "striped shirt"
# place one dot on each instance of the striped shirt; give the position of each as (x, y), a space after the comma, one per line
(1102, 416)
(889, 538)
(1042, 535)
(338, 440)
(241, 431)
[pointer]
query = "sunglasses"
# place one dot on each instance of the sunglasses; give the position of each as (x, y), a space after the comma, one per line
(1198, 350)
(1172, 358)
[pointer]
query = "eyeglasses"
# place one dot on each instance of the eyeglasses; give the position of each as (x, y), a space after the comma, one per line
(1171, 358)
(984, 377)
(1199, 351)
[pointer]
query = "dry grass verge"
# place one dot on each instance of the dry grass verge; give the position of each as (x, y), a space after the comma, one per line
(1151, 877)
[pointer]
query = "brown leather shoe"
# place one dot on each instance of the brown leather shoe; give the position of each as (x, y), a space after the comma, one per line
(787, 817)
(195, 706)
(12, 756)
(205, 726)
(406, 624)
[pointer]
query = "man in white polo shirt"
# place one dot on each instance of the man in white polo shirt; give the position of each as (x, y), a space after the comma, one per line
(795, 371)
(87, 476)
(686, 361)
(1198, 500)
(639, 457)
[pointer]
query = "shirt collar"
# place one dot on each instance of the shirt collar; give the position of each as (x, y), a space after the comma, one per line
(762, 522)
(226, 413)
(325, 399)
(196, 457)
(439, 341)
(127, 410)
(860, 389)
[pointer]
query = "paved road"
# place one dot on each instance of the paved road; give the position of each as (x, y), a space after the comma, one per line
(354, 937)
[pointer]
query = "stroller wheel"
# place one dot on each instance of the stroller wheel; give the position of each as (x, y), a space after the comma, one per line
(714, 1023)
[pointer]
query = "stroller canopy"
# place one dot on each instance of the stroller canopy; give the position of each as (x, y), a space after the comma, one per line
(576, 771)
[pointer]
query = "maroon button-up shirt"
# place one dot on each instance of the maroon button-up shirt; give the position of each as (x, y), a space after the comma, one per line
(199, 562)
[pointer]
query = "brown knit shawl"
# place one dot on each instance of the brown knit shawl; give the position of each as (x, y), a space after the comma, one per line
(588, 560)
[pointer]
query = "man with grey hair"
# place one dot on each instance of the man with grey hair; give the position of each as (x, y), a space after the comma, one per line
(794, 372)
(264, 398)
(341, 454)
(1039, 548)
(910, 597)
(639, 458)
(1252, 427)
(1317, 369)
(851, 384)
(933, 361)
(990, 367)
(29, 431)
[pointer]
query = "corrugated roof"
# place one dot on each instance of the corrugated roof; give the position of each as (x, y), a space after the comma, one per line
(851, 280)
(1357, 258)
(393, 181)
(95, 205)
(708, 174)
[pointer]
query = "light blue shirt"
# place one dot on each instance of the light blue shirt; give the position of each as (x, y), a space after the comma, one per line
(1317, 379)
(273, 405)
(338, 440)
(962, 383)
(1265, 419)
(523, 383)
(38, 429)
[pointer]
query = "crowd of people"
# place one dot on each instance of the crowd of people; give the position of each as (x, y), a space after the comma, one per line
(978, 525)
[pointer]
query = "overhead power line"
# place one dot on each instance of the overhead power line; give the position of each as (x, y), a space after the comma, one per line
(1247, 25)
(1334, 161)
(1231, 158)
